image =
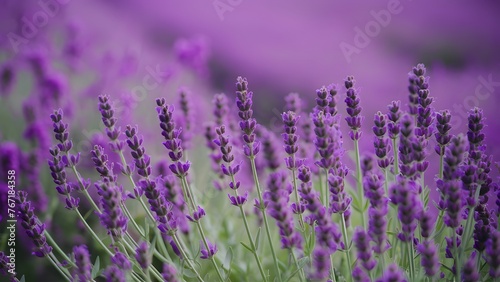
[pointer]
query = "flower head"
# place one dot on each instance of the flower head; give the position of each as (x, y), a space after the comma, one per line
(83, 266)
(142, 255)
(353, 109)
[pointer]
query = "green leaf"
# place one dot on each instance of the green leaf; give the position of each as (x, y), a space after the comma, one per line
(96, 267)
(257, 240)
(228, 259)
(246, 247)
(189, 273)
(301, 262)
(23, 279)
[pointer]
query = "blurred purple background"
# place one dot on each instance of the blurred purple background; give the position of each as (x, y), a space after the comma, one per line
(280, 46)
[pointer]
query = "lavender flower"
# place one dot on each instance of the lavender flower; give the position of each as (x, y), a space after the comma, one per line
(381, 142)
(34, 228)
(290, 138)
(321, 263)
(276, 200)
(392, 274)
(443, 127)
(5, 266)
(121, 260)
(426, 220)
(114, 274)
(404, 195)
(102, 165)
(142, 161)
(469, 271)
(353, 109)
(429, 258)
(482, 228)
(406, 142)
(172, 142)
(324, 140)
(161, 208)
(340, 201)
(492, 253)
(83, 266)
(185, 121)
(358, 275)
(294, 103)
(169, 273)
(270, 149)
(221, 108)
(394, 115)
(361, 241)
(413, 88)
(208, 253)
(377, 226)
(374, 191)
(425, 117)
(248, 124)
(109, 120)
(112, 216)
(142, 255)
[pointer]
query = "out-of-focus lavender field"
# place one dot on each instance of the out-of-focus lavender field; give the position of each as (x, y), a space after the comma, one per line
(65, 53)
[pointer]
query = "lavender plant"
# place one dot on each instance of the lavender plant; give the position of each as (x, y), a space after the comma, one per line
(146, 216)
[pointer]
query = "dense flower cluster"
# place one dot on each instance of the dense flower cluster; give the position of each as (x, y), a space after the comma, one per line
(378, 224)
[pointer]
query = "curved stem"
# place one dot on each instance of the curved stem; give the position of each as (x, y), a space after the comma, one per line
(98, 240)
(56, 265)
(58, 249)
(396, 160)
(359, 183)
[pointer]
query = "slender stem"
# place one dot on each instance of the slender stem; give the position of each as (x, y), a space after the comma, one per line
(326, 193)
(386, 182)
(321, 189)
(93, 233)
(359, 182)
(455, 249)
(56, 265)
(264, 215)
(186, 258)
(131, 219)
(300, 270)
(422, 183)
(396, 160)
(85, 192)
(57, 248)
(346, 241)
(297, 198)
(186, 186)
(441, 163)
(250, 237)
(411, 254)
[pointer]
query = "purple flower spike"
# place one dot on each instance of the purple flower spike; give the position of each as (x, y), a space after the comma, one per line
(321, 263)
(207, 254)
(394, 115)
(377, 227)
(326, 99)
(142, 255)
(469, 271)
(361, 241)
(340, 200)
(197, 215)
(142, 161)
(7, 79)
(34, 229)
(83, 266)
(424, 110)
(112, 216)
(324, 140)
(406, 142)
(109, 120)
(270, 149)
(276, 199)
(426, 221)
(290, 138)
(491, 254)
(374, 191)
(404, 195)
(429, 258)
(294, 103)
(169, 273)
(121, 260)
(443, 127)
(381, 142)
(114, 274)
(392, 274)
(185, 122)
(358, 275)
(247, 124)
(221, 108)
(353, 109)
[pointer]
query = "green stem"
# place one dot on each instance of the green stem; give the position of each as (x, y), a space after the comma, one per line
(346, 241)
(250, 237)
(264, 215)
(441, 163)
(93, 233)
(300, 270)
(457, 262)
(386, 182)
(411, 254)
(56, 265)
(396, 160)
(53, 243)
(186, 258)
(359, 183)
(186, 186)
(85, 192)
(297, 198)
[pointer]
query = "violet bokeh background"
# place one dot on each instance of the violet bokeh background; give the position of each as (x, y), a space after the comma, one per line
(281, 47)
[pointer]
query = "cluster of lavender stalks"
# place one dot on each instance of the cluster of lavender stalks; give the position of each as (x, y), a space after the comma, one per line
(310, 202)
